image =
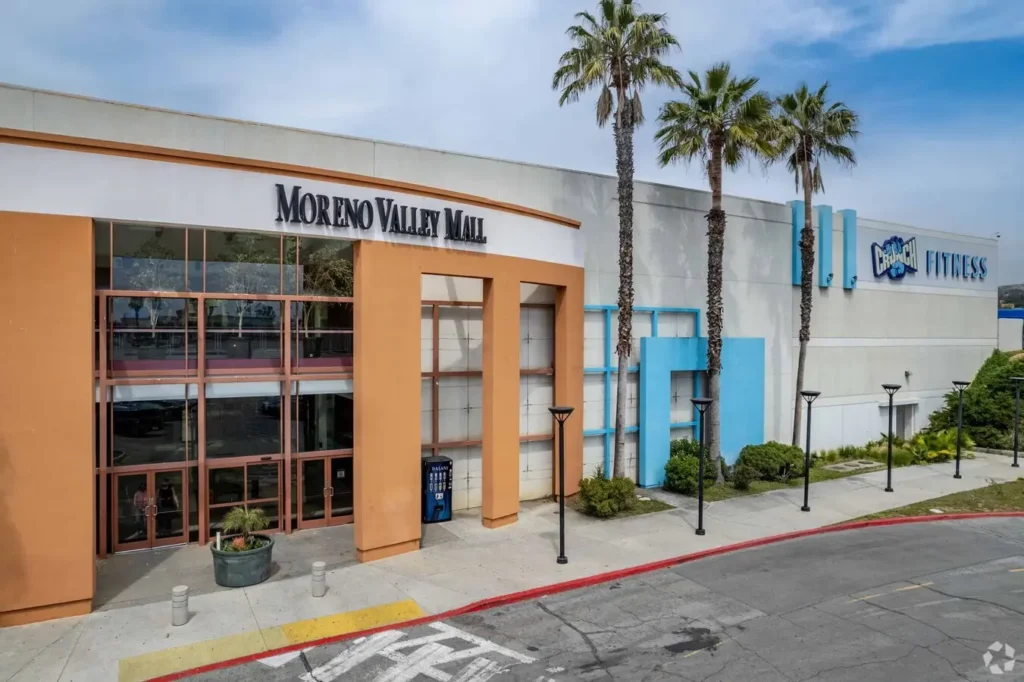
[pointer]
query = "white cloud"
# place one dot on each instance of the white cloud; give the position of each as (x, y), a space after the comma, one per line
(919, 23)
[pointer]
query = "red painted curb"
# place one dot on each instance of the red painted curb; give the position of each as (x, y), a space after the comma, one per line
(578, 583)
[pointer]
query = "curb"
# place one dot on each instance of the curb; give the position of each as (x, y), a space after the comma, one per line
(578, 583)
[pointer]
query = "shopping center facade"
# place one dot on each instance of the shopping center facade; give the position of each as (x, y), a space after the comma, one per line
(205, 313)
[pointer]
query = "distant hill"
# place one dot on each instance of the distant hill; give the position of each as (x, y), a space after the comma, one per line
(1011, 296)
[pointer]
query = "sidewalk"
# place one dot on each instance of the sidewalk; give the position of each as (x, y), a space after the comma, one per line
(135, 642)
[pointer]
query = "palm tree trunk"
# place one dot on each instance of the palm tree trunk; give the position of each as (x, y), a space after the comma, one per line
(806, 291)
(624, 168)
(716, 249)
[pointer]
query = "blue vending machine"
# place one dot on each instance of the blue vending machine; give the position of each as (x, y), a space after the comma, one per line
(437, 489)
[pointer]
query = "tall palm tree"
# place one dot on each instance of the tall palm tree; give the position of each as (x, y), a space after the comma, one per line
(808, 128)
(723, 121)
(618, 53)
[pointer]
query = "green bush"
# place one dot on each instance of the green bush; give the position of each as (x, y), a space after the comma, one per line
(988, 402)
(602, 497)
(681, 475)
(743, 476)
(684, 447)
(773, 461)
(901, 457)
(939, 446)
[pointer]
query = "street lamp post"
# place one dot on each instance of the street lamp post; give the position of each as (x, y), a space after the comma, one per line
(702, 405)
(809, 396)
(960, 387)
(891, 390)
(561, 414)
(1016, 415)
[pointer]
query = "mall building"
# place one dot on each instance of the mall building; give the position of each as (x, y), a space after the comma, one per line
(204, 313)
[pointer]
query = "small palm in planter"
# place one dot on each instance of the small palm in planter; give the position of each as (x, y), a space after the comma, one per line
(246, 560)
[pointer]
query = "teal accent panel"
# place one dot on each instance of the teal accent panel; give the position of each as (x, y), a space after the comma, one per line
(742, 396)
(797, 220)
(742, 381)
(849, 249)
(825, 276)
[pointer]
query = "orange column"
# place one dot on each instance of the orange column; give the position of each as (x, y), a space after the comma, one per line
(387, 402)
(47, 510)
(569, 377)
(501, 402)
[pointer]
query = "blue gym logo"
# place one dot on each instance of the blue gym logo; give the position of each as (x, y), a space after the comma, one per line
(894, 257)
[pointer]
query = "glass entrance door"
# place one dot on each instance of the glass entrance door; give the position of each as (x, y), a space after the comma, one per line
(325, 491)
(149, 509)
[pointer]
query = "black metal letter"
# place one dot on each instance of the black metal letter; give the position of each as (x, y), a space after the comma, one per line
(307, 215)
(287, 211)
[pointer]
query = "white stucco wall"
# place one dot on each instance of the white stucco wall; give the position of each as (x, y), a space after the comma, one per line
(935, 330)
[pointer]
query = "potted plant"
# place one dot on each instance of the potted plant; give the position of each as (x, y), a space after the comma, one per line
(246, 560)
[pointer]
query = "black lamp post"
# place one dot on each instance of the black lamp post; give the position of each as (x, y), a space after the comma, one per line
(702, 405)
(891, 390)
(960, 387)
(561, 414)
(809, 396)
(1016, 415)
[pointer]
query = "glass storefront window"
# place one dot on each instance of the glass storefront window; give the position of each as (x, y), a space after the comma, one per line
(101, 254)
(149, 258)
(322, 416)
(243, 419)
(243, 263)
(323, 336)
(253, 486)
(195, 259)
(148, 334)
(152, 425)
(325, 267)
(243, 334)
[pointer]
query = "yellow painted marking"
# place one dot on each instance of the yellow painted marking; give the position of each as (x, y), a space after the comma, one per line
(913, 587)
(176, 659)
(1016, 570)
(870, 596)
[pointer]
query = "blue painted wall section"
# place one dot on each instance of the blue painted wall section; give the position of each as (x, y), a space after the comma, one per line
(825, 275)
(742, 384)
(849, 248)
(608, 372)
(797, 219)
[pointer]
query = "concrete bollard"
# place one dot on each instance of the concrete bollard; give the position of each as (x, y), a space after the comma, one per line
(319, 579)
(179, 605)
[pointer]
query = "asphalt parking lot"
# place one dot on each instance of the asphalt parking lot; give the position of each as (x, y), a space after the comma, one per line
(917, 602)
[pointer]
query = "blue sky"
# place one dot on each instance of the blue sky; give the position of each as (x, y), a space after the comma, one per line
(938, 83)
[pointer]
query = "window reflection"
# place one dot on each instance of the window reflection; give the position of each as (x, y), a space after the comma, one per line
(325, 267)
(243, 263)
(323, 422)
(149, 258)
(153, 430)
(243, 426)
(148, 333)
(323, 335)
(243, 334)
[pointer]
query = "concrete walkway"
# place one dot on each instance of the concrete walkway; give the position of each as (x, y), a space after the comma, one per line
(136, 642)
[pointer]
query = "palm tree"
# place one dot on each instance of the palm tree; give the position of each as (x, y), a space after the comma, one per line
(618, 53)
(723, 121)
(808, 128)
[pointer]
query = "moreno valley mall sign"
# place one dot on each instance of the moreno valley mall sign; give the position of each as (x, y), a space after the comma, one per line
(386, 214)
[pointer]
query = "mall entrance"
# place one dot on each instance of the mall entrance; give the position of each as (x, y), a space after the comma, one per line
(151, 508)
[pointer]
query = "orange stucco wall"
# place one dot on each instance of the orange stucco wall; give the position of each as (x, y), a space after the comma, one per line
(387, 383)
(46, 418)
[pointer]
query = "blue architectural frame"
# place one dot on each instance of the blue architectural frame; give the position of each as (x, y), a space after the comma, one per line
(608, 371)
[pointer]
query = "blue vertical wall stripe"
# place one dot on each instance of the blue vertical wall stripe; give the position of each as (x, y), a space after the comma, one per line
(797, 219)
(607, 430)
(742, 396)
(824, 245)
(849, 248)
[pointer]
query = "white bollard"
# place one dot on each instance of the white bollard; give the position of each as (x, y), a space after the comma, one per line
(179, 605)
(319, 579)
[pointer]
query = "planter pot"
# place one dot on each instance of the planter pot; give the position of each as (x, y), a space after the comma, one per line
(241, 569)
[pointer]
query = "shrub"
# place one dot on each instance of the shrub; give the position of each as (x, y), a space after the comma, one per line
(602, 497)
(773, 461)
(684, 447)
(988, 402)
(681, 475)
(743, 476)
(901, 457)
(247, 522)
(939, 446)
